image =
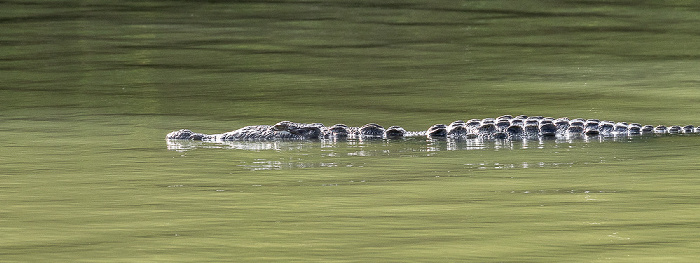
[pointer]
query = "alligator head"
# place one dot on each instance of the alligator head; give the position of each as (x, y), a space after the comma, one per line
(185, 134)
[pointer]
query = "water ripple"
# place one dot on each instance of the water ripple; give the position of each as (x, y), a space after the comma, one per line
(400, 145)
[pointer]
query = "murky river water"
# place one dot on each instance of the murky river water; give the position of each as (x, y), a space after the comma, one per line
(89, 90)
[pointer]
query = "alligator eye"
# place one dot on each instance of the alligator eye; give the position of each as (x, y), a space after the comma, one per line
(282, 126)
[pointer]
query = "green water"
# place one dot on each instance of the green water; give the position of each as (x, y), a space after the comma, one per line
(89, 89)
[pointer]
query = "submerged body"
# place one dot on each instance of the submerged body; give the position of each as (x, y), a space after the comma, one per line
(503, 127)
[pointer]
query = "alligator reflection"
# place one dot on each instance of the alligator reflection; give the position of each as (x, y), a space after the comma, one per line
(399, 145)
(541, 142)
(286, 155)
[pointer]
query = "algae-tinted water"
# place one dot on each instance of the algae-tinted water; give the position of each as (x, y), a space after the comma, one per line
(89, 90)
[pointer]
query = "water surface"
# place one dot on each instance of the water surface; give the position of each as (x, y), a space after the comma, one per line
(90, 89)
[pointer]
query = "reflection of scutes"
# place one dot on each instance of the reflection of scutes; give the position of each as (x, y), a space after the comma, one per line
(503, 127)
(280, 155)
(278, 145)
(407, 145)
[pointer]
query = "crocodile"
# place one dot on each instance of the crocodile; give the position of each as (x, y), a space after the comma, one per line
(503, 127)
